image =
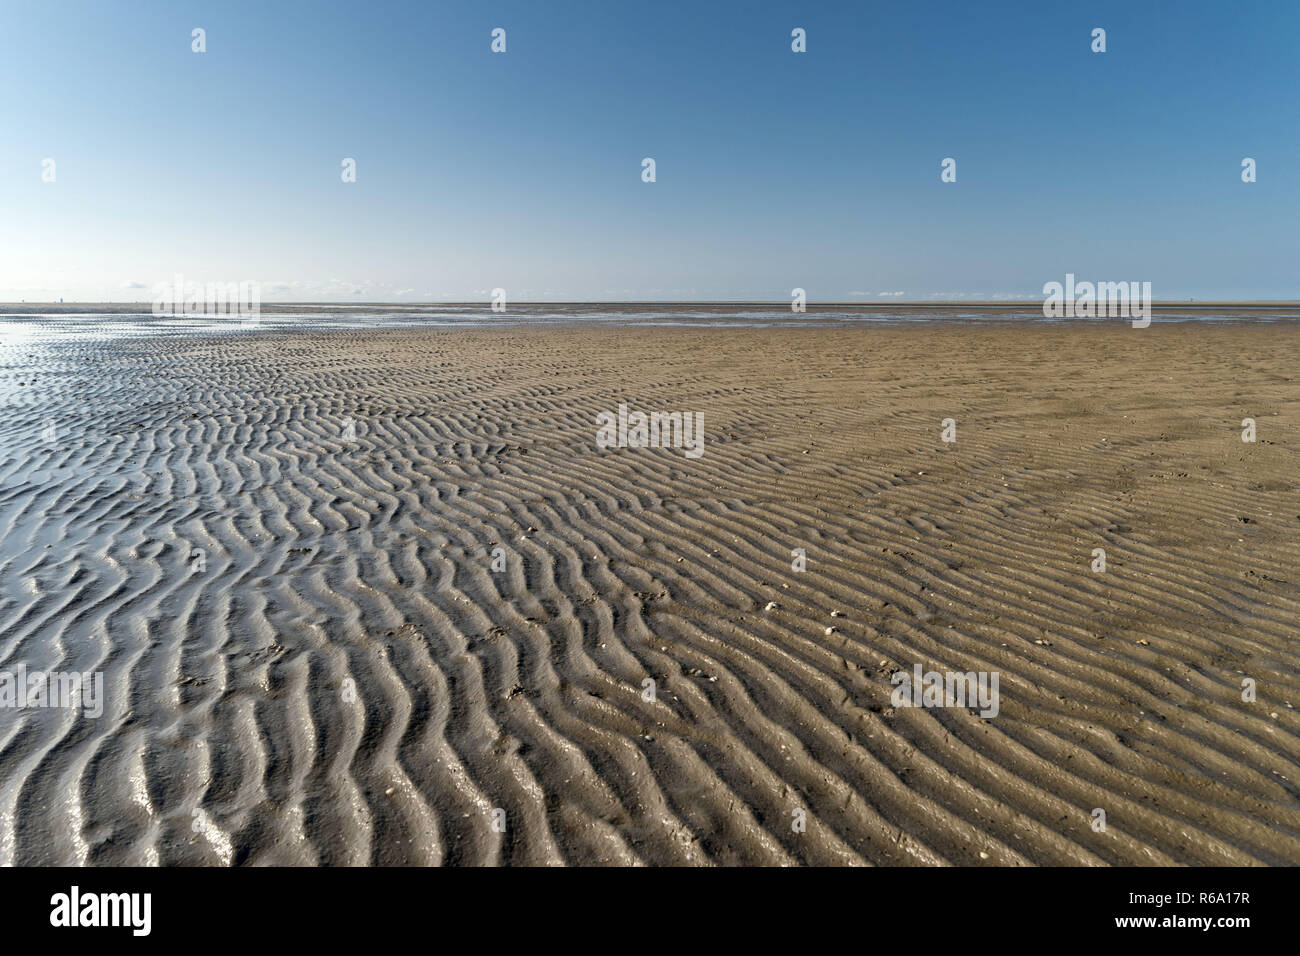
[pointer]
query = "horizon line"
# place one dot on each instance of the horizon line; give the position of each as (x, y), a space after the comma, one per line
(782, 303)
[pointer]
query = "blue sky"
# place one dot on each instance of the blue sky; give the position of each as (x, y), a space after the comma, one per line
(774, 170)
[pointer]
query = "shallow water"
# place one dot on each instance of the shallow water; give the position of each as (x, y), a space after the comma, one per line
(18, 321)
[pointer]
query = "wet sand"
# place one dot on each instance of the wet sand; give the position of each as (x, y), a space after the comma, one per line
(425, 638)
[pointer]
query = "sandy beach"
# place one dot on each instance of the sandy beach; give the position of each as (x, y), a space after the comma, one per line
(379, 597)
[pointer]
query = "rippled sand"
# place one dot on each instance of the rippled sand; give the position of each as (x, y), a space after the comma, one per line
(342, 677)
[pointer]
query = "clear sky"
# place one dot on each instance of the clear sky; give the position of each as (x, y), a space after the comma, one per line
(774, 169)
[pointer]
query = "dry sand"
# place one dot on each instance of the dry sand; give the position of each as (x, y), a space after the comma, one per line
(346, 680)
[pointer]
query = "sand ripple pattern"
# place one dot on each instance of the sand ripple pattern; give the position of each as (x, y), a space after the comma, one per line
(346, 680)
